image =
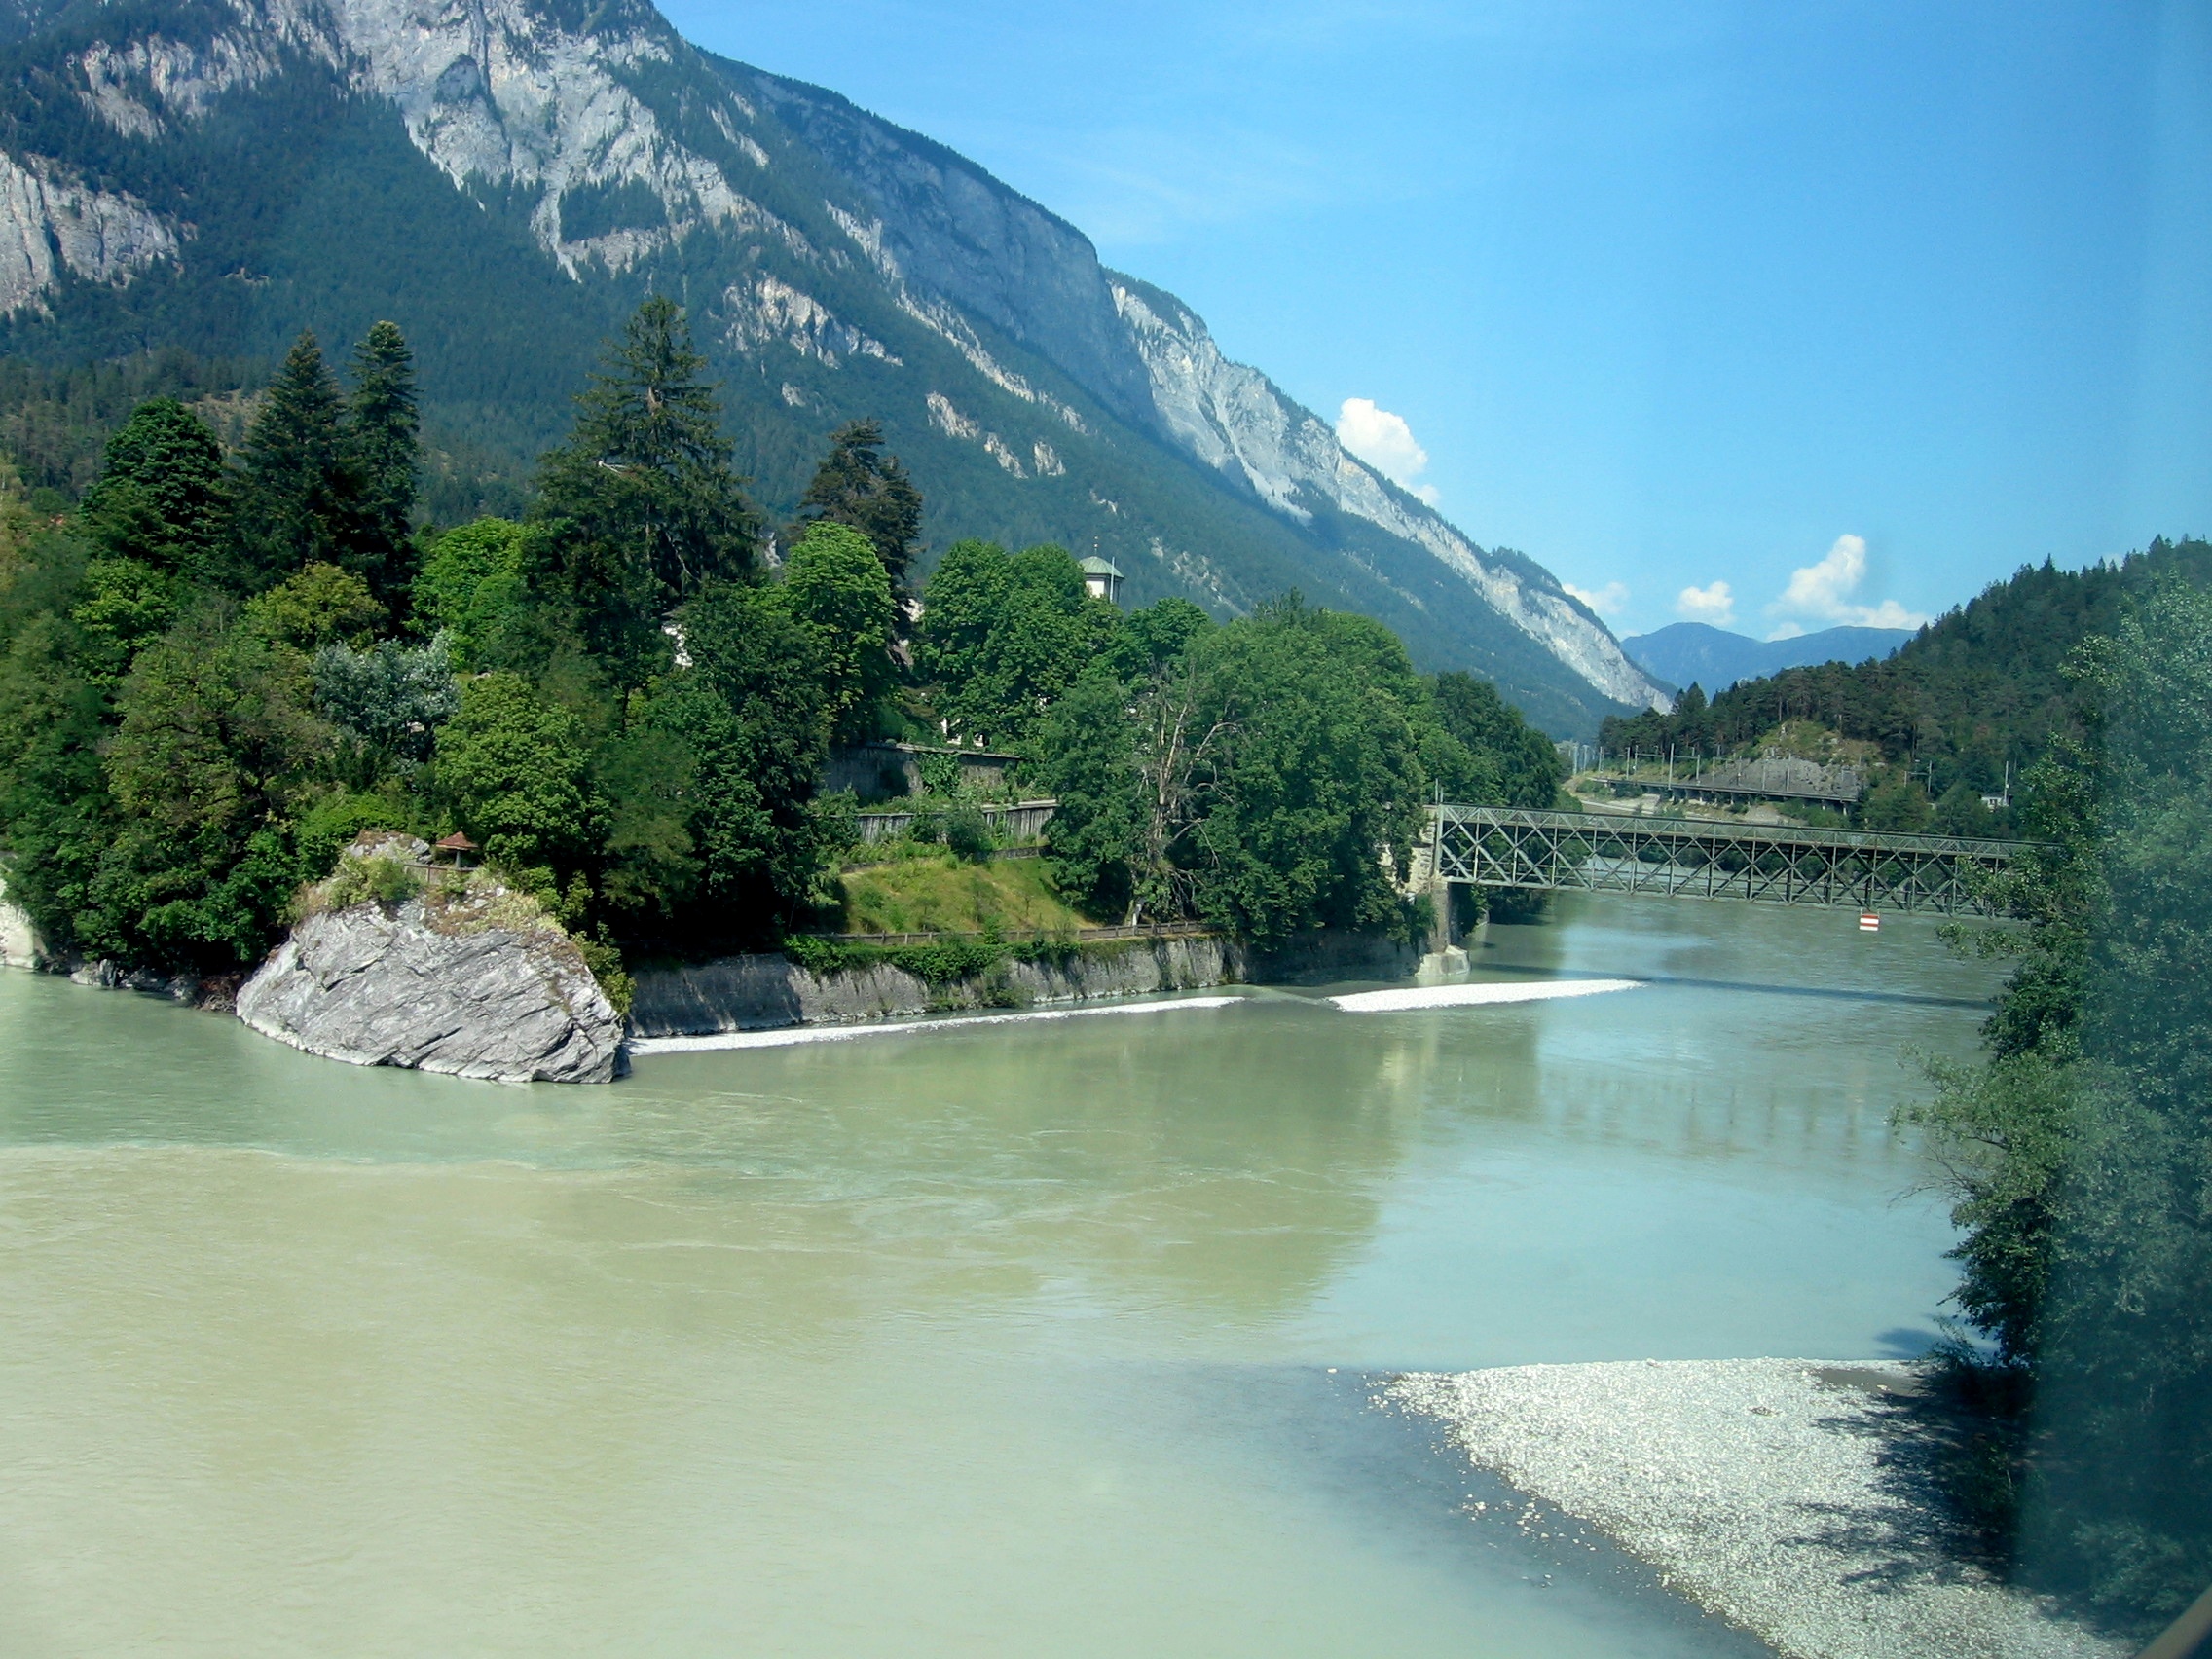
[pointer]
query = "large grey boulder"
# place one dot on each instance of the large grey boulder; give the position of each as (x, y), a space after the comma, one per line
(461, 977)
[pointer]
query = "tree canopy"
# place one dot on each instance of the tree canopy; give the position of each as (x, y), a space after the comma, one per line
(2078, 1151)
(160, 494)
(1004, 635)
(835, 584)
(213, 674)
(1267, 776)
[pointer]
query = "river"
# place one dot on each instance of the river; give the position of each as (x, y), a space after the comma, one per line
(1045, 1338)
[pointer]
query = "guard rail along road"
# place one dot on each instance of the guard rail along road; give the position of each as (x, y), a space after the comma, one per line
(1684, 858)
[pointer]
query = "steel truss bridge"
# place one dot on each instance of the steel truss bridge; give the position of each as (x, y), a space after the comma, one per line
(1694, 859)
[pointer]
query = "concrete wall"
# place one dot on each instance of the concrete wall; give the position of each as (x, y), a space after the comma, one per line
(756, 993)
(759, 993)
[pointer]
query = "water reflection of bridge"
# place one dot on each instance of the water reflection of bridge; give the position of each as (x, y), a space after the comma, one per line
(1694, 859)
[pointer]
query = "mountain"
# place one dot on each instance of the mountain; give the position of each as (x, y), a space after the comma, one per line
(506, 178)
(1686, 653)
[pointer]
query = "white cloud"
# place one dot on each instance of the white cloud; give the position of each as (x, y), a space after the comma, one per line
(1385, 443)
(1606, 600)
(1823, 593)
(1714, 603)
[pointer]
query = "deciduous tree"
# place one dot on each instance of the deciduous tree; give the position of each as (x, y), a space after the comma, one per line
(834, 583)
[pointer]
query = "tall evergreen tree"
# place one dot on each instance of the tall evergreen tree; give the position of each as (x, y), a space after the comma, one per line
(159, 497)
(293, 507)
(858, 485)
(382, 450)
(651, 510)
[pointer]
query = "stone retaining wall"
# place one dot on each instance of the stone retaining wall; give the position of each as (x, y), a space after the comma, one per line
(759, 993)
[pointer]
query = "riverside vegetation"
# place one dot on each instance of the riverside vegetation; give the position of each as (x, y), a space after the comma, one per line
(217, 669)
(2078, 1153)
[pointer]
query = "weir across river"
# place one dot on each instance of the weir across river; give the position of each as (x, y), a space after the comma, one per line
(1687, 857)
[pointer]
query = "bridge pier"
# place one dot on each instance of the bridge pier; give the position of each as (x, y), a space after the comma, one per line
(1443, 956)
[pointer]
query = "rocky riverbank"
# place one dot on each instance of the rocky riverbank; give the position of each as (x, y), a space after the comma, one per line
(393, 963)
(1780, 1494)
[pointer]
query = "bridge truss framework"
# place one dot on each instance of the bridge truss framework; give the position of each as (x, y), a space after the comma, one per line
(1695, 859)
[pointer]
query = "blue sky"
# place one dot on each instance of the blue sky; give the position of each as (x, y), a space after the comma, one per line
(1850, 307)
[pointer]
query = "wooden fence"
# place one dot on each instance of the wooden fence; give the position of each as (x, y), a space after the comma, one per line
(1023, 821)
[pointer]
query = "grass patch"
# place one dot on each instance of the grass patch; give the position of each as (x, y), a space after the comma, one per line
(938, 893)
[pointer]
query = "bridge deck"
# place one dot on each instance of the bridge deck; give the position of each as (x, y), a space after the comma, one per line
(1699, 859)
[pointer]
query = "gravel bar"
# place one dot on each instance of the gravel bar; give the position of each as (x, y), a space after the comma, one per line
(1780, 1494)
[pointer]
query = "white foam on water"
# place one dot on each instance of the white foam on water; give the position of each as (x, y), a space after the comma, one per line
(1468, 996)
(785, 1037)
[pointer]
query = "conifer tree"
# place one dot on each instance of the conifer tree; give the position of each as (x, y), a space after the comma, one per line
(651, 510)
(159, 497)
(381, 453)
(858, 485)
(294, 509)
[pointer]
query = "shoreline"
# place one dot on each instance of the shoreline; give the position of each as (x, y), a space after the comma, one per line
(1775, 1493)
(1410, 1000)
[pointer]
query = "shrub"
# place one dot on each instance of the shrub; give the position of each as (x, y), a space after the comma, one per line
(949, 960)
(605, 961)
(968, 834)
(362, 881)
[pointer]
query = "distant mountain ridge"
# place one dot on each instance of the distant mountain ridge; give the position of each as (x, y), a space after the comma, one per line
(1688, 653)
(504, 178)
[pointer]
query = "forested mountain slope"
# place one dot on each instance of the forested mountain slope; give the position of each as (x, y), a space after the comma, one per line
(1975, 696)
(504, 179)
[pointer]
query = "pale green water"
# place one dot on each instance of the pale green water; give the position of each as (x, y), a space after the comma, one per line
(1005, 1341)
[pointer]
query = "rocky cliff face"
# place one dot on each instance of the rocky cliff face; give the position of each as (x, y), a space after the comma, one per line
(1233, 418)
(466, 980)
(836, 264)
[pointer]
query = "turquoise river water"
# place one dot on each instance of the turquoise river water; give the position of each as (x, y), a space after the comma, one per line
(1047, 1337)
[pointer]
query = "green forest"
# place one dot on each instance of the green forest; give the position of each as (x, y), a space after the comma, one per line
(1958, 712)
(218, 666)
(2078, 1151)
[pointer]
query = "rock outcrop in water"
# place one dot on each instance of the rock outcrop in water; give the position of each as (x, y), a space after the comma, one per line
(443, 970)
